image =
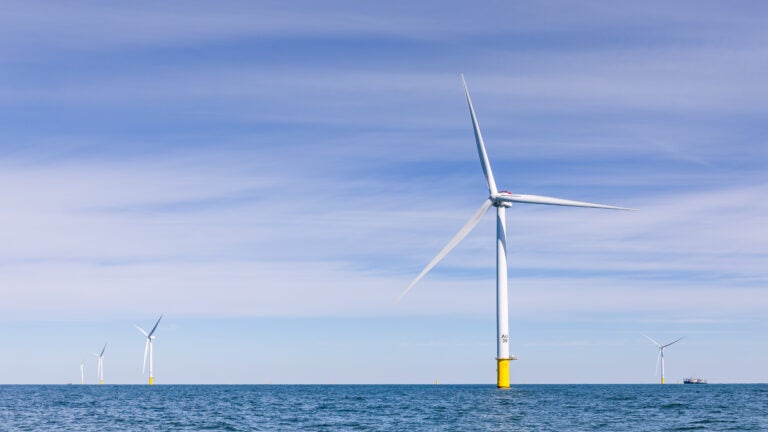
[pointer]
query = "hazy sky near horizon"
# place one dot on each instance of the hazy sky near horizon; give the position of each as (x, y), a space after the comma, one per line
(270, 176)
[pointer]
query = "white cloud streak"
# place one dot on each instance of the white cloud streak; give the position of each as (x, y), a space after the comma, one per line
(125, 232)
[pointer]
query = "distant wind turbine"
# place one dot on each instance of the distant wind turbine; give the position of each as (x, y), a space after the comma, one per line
(100, 367)
(82, 372)
(660, 358)
(501, 200)
(148, 350)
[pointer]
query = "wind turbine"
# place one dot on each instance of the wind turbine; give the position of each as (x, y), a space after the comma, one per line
(82, 372)
(660, 358)
(501, 200)
(100, 367)
(148, 350)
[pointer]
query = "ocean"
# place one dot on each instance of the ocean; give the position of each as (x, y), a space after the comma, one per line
(711, 407)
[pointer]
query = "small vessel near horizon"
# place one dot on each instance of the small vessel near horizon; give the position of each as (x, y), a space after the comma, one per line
(692, 380)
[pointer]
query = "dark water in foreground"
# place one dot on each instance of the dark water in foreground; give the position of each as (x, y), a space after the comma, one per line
(385, 407)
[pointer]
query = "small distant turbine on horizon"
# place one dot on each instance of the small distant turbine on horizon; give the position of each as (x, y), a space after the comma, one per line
(100, 367)
(82, 372)
(660, 358)
(148, 350)
(501, 200)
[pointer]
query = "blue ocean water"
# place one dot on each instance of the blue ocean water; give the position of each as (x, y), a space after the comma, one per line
(384, 407)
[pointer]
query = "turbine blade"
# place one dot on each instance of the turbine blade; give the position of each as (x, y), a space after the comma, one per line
(155, 327)
(146, 351)
(451, 244)
(486, 165)
(141, 330)
(102, 350)
(537, 199)
(658, 361)
(674, 341)
(654, 342)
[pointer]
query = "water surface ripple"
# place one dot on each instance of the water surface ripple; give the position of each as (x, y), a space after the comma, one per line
(384, 407)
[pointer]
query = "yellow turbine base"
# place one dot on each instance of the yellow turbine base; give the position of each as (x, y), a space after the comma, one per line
(151, 380)
(101, 381)
(502, 373)
(662, 380)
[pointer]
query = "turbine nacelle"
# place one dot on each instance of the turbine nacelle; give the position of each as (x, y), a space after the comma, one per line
(500, 199)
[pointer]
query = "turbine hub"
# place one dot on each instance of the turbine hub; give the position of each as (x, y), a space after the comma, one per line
(499, 203)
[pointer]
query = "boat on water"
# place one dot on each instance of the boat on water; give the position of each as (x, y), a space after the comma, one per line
(694, 381)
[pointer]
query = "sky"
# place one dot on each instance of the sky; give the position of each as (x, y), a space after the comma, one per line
(271, 175)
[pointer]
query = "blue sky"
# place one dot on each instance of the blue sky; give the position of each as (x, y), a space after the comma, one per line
(270, 176)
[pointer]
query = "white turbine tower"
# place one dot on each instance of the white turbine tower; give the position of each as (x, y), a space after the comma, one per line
(660, 358)
(501, 200)
(82, 372)
(148, 350)
(100, 367)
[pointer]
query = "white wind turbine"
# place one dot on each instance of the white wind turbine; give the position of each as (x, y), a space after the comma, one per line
(501, 200)
(100, 367)
(148, 350)
(660, 358)
(82, 372)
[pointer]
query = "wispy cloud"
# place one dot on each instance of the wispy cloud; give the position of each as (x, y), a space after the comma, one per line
(231, 240)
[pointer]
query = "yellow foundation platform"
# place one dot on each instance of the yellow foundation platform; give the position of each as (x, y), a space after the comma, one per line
(502, 372)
